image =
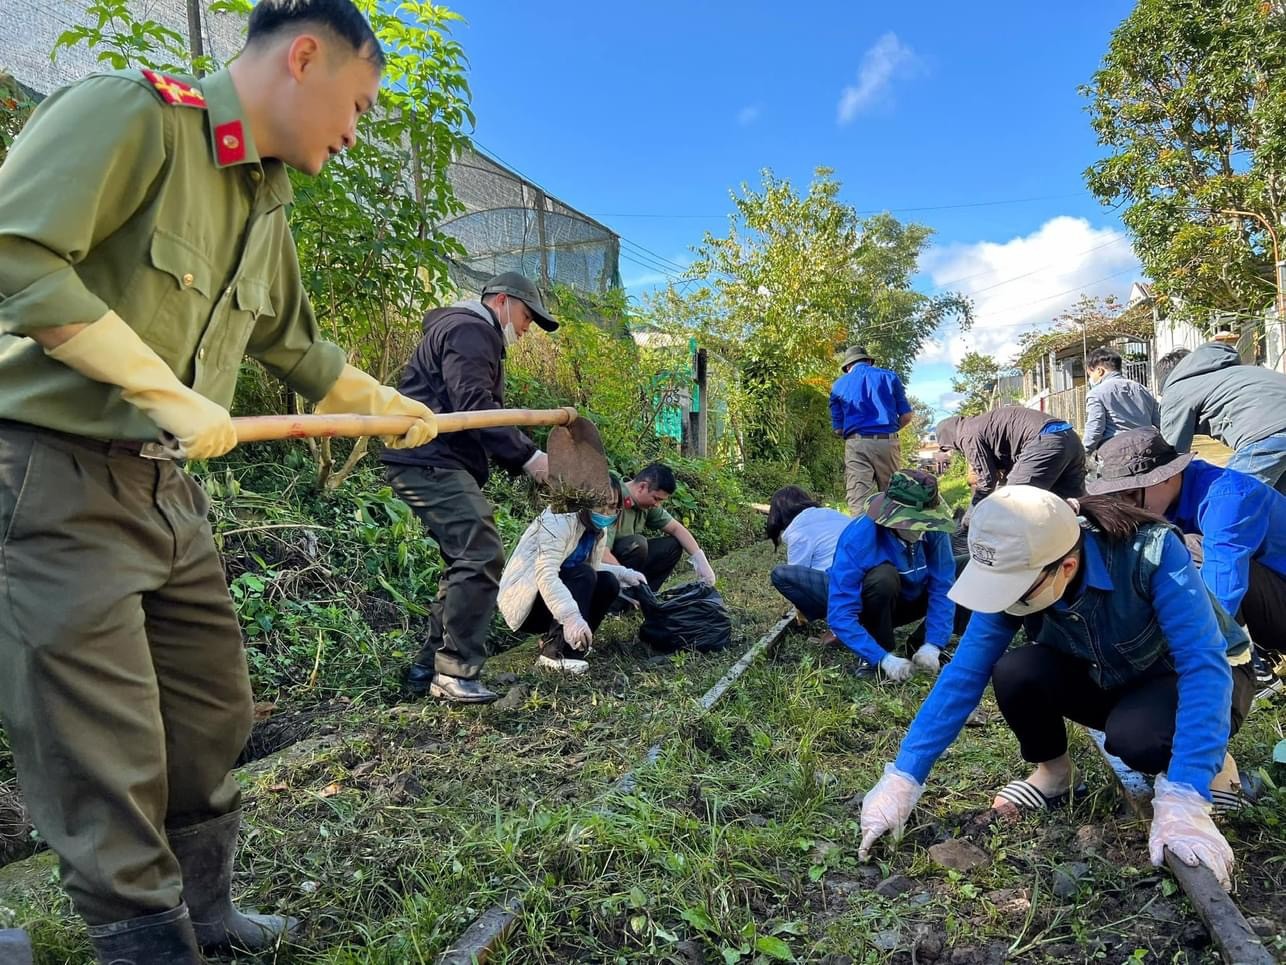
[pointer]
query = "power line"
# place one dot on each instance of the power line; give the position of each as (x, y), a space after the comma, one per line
(865, 211)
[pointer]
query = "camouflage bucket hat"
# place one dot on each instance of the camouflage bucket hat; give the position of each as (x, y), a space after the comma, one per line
(911, 503)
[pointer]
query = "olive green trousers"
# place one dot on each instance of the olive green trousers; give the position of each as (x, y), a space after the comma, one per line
(123, 683)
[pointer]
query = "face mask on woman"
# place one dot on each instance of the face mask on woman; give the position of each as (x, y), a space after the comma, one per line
(602, 520)
(1049, 592)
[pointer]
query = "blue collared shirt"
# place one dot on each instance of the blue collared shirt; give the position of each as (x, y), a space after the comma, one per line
(1239, 518)
(925, 566)
(1197, 648)
(869, 400)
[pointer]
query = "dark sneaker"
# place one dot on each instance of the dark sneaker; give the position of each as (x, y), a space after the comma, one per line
(460, 691)
(418, 678)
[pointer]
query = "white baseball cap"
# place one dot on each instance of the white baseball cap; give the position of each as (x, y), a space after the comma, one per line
(1015, 533)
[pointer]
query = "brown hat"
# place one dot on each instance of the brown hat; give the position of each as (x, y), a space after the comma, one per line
(1136, 459)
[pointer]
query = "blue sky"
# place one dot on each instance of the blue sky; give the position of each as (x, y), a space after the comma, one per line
(646, 116)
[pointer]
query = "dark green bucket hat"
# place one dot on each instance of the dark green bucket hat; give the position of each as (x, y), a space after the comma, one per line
(911, 502)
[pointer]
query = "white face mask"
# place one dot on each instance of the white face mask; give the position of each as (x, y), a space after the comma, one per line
(1049, 594)
(510, 333)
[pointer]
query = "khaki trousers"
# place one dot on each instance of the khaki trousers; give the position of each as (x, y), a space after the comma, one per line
(869, 464)
(124, 689)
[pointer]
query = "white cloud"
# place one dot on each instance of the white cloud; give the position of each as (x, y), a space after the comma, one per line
(748, 115)
(887, 58)
(950, 401)
(1024, 283)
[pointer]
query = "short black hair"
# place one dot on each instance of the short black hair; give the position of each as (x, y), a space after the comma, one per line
(658, 476)
(1166, 364)
(340, 17)
(1104, 356)
(786, 503)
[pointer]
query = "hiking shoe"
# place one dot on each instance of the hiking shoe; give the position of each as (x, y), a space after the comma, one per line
(417, 680)
(457, 690)
(563, 664)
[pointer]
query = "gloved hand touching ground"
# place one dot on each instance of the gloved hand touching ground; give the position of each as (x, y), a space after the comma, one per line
(887, 806)
(110, 351)
(1181, 822)
(357, 393)
(577, 633)
(702, 566)
(928, 658)
(895, 667)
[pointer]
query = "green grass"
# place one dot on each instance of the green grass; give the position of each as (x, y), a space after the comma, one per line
(737, 845)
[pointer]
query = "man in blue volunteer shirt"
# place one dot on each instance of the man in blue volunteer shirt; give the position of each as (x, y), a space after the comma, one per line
(868, 407)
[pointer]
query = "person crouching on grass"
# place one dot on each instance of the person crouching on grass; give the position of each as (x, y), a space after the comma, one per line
(1124, 638)
(893, 566)
(557, 584)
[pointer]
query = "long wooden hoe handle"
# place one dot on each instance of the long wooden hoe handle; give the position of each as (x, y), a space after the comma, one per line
(266, 428)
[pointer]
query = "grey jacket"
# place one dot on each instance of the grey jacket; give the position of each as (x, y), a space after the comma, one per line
(1211, 392)
(1117, 404)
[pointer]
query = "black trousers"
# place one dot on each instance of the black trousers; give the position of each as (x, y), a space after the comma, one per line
(884, 610)
(1263, 609)
(459, 518)
(593, 590)
(1039, 688)
(655, 558)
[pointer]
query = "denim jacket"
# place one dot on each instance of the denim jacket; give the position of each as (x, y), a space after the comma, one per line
(1142, 609)
(1137, 645)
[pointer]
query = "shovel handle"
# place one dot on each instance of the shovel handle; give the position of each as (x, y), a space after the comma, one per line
(267, 428)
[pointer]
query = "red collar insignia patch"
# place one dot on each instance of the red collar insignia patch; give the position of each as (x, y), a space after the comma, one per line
(174, 91)
(229, 143)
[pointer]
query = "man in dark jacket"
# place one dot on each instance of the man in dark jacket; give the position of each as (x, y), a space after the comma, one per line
(459, 367)
(1017, 445)
(1243, 406)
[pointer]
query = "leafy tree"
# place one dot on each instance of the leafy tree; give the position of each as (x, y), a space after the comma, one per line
(976, 378)
(796, 279)
(1190, 101)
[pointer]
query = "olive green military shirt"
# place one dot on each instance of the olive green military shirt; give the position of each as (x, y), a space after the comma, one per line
(132, 193)
(632, 521)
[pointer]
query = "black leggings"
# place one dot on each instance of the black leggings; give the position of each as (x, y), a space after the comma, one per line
(1038, 688)
(593, 590)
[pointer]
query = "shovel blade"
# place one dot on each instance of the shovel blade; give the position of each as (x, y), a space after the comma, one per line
(577, 462)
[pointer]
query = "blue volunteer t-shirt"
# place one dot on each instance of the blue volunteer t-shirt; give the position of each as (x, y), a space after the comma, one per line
(868, 400)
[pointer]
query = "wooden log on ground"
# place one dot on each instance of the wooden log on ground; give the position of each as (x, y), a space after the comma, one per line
(1236, 940)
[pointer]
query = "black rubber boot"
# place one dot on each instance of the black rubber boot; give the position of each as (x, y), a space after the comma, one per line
(164, 937)
(206, 853)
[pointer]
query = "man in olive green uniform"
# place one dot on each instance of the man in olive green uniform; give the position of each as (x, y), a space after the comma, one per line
(144, 250)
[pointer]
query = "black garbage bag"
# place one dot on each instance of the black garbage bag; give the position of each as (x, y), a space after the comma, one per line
(691, 616)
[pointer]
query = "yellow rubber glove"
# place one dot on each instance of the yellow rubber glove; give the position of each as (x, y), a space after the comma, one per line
(110, 351)
(356, 393)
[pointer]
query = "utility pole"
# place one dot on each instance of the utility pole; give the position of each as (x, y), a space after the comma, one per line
(703, 405)
(196, 43)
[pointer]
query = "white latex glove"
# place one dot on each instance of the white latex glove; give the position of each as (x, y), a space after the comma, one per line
(887, 806)
(537, 467)
(629, 578)
(1181, 822)
(895, 667)
(928, 658)
(702, 566)
(577, 633)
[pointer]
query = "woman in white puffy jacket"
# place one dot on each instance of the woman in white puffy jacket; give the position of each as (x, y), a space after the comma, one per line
(557, 584)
